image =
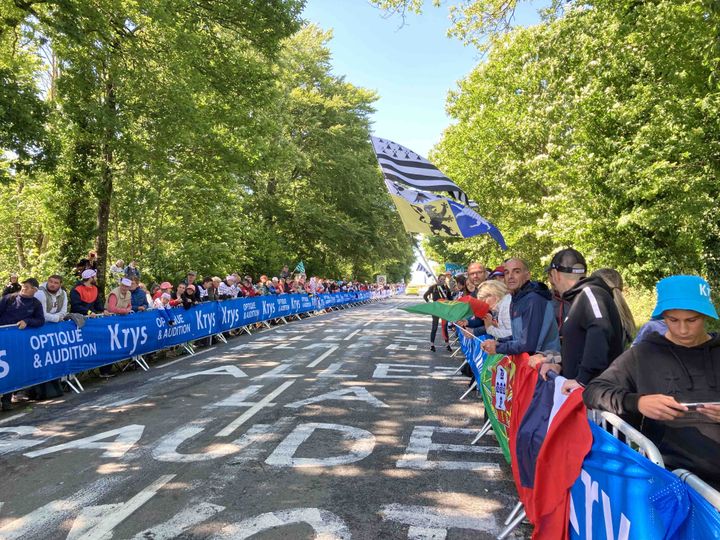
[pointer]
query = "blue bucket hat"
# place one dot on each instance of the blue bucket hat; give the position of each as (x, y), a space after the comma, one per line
(684, 292)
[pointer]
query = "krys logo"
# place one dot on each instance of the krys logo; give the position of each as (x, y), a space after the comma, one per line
(4, 366)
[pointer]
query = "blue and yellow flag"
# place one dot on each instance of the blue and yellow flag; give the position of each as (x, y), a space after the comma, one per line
(427, 213)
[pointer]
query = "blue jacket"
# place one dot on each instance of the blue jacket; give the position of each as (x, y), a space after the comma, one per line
(534, 327)
(15, 308)
(138, 299)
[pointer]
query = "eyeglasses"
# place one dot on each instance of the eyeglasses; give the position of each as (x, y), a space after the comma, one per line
(475, 273)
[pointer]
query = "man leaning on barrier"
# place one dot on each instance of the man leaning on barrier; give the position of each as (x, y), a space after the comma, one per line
(22, 310)
(668, 386)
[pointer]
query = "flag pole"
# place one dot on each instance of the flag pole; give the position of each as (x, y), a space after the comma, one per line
(422, 256)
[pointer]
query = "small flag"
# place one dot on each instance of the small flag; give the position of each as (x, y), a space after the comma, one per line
(401, 164)
(454, 269)
(452, 311)
(421, 268)
(430, 214)
(300, 268)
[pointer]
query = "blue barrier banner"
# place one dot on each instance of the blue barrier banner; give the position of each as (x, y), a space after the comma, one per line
(623, 495)
(703, 520)
(36, 355)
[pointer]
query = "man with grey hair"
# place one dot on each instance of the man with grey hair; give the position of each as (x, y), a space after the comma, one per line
(534, 327)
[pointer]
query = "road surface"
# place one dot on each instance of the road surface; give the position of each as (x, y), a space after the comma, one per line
(342, 425)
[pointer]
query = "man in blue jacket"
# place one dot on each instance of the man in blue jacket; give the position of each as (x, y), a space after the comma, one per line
(23, 310)
(534, 327)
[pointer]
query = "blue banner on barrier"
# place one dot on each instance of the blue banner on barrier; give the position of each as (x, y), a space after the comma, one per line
(623, 495)
(33, 356)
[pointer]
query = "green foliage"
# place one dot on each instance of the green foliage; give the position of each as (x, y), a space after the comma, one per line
(189, 135)
(599, 129)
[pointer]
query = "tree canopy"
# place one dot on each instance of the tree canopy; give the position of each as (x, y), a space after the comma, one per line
(185, 135)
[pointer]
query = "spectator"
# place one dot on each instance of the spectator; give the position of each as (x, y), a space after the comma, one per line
(177, 295)
(496, 295)
(650, 383)
(208, 292)
(460, 290)
(190, 280)
(438, 291)
(285, 272)
(227, 288)
(592, 334)
(13, 286)
(53, 299)
(275, 285)
(85, 296)
(119, 301)
(187, 297)
(498, 274)
(282, 286)
(132, 270)
(162, 304)
(165, 287)
(476, 276)
(138, 296)
(117, 271)
(23, 310)
(531, 313)
(614, 280)
(655, 324)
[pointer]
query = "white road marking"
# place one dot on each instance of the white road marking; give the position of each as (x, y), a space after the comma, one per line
(403, 371)
(351, 335)
(331, 372)
(11, 418)
(359, 444)
(238, 399)
(426, 519)
(124, 439)
(352, 393)
(420, 446)
(180, 522)
(231, 370)
(277, 371)
(264, 402)
(18, 444)
(103, 530)
(327, 526)
(323, 356)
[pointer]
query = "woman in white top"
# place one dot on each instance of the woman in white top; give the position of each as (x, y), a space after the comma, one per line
(496, 294)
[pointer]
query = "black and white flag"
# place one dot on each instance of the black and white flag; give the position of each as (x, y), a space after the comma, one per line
(401, 164)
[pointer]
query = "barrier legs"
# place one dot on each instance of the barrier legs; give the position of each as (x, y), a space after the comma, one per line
(220, 337)
(189, 348)
(487, 427)
(513, 520)
(472, 387)
(461, 366)
(73, 382)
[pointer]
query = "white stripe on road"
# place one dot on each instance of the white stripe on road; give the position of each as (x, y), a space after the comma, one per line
(11, 418)
(323, 356)
(351, 334)
(264, 402)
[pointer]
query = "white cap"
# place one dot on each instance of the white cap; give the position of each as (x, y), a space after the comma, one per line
(87, 274)
(125, 281)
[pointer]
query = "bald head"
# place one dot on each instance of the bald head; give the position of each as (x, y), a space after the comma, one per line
(517, 274)
(476, 273)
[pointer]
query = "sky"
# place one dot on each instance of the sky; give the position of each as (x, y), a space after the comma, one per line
(411, 66)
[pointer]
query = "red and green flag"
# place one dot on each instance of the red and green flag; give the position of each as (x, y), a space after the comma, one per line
(496, 379)
(453, 310)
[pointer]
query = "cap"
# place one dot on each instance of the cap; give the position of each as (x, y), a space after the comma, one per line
(166, 285)
(684, 292)
(190, 287)
(125, 281)
(499, 271)
(568, 261)
(192, 273)
(32, 281)
(14, 274)
(230, 278)
(89, 273)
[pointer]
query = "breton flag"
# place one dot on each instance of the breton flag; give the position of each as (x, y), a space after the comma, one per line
(428, 213)
(402, 165)
(300, 268)
(421, 268)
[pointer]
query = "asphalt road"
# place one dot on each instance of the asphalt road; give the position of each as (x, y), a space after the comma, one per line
(342, 425)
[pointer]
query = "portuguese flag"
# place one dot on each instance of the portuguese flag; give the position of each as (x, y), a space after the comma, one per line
(496, 378)
(452, 311)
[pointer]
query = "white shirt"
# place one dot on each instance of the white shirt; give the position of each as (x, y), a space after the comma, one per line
(504, 327)
(54, 314)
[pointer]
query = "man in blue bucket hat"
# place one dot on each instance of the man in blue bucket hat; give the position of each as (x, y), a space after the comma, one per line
(668, 386)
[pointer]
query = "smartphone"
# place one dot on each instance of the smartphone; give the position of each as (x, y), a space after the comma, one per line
(698, 405)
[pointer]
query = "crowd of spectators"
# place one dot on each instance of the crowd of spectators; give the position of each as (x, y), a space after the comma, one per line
(32, 304)
(664, 379)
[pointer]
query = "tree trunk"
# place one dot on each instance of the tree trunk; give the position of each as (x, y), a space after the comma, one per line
(17, 229)
(105, 189)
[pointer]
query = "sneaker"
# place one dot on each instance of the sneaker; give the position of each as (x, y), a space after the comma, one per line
(7, 406)
(432, 348)
(449, 348)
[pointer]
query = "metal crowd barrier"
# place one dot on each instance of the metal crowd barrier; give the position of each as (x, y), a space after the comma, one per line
(615, 425)
(705, 490)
